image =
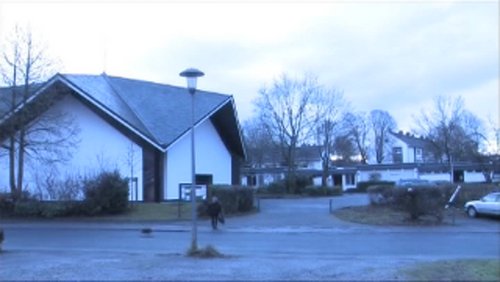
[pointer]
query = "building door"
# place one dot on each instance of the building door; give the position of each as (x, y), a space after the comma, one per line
(458, 176)
(204, 179)
(337, 180)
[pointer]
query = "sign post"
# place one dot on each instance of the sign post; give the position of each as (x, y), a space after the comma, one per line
(452, 199)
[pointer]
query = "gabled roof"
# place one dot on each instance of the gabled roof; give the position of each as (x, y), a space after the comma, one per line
(9, 94)
(158, 113)
(411, 140)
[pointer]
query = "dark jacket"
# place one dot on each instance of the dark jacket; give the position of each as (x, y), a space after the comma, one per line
(214, 209)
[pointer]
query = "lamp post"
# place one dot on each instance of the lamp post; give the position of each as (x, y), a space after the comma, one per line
(191, 76)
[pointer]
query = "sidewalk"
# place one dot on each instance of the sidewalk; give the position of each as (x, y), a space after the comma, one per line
(276, 215)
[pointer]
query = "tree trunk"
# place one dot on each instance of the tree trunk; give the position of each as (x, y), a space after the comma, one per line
(324, 175)
(20, 163)
(12, 165)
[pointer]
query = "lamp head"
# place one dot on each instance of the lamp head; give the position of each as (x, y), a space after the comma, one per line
(191, 75)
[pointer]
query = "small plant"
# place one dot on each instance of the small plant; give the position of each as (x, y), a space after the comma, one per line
(207, 252)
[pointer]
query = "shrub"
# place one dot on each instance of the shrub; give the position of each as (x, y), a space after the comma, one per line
(31, 208)
(318, 191)
(468, 192)
(362, 186)
(6, 204)
(234, 199)
(106, 194)
(425, 200)
(60, 209)
(299, 183)
(380, 194)
(278, 187)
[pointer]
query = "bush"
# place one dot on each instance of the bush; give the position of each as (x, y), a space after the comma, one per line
(318, 191)
(6, 204)
(425, 200)
(362, 186)
(31, 208)
(301, 182)
(380, 194)
(284, 186)
(273, 188)
(234, 199)
(60, 209)
(106, 194)
(468, 192)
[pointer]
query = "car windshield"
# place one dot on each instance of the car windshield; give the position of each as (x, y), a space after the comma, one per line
(490, 198)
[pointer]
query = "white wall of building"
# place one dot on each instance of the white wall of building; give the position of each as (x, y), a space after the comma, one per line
(212, 157)
(100, 147)
(473, 176)
(387, 175)
(435, 176)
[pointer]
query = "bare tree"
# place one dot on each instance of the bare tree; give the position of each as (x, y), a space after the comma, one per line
(456, 134)
(259, 144)
(285, 111)
(330, 108)
(29, 131)
(381, 124)
(358, 129)
(345, 148)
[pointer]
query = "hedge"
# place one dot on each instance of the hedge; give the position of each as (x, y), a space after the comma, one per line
(106, 193)
(234, 199)
(362, 186)
(301, 182)
(468, 192)
(426, 200)
(318, 191)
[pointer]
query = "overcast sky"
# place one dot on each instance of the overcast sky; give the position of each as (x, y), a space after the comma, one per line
(390, 55)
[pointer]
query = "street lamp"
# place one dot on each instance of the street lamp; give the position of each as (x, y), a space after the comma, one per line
(191, 76)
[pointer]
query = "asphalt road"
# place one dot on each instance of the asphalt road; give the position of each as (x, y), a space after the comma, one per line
(289, 239)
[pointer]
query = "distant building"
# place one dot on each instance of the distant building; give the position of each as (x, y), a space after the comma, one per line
(407, 148)
(411, 158)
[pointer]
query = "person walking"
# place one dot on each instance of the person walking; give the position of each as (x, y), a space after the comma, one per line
(215, 212)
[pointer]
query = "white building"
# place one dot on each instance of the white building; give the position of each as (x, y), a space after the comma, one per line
(142, 130)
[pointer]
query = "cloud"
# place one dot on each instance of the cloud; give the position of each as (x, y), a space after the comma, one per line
(395, 56)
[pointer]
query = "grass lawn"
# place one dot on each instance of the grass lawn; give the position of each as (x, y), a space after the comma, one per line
(137, 212)
(445, 270)
(455, 270)
(152, 212)
(382, 215)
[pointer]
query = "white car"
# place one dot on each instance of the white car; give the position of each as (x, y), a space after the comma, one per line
(489, 204)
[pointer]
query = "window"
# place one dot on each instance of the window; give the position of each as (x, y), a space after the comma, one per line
(252, 180)
(350, 179)
(418, 155)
